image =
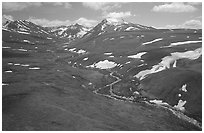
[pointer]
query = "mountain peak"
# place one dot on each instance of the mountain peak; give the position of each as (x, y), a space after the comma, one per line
(77, 24)
(114, 21)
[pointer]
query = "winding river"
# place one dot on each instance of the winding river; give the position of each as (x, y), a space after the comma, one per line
(112, 95)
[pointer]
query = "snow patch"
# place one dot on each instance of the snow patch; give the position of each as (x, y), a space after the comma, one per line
(10, 63)
(141, 65)
(108, 53)
(168, 60)
(86, 58)
(156, 68)
(49, 38)
(139, 55)
(192, 55)
(72, 49)
(4, 84)
(113, 21)
(81, 51)
(136, 92)
(9, 71)
(24, 50)
(122, 37)
(25, 65)
(181, 43)
(106, 64)
(180, 105)
(159, 102)
(174, 65)
(23, 29)
(81, 33)
(26, 41)
(105, 39)
(130, 28)
(155, 40)
(111, 56)
(183, 88)
(23, 32)
(127, 62)
(34, 68)
(6, 47)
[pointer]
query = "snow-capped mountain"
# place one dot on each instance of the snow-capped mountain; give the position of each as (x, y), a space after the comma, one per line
(116, 25)
(71, 32)
(26, 32)
(26, 27)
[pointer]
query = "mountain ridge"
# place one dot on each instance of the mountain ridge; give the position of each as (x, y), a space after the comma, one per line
(74, 31)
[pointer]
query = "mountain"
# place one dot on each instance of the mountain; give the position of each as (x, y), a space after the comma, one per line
(116, 25)
(25, 27)
(71, 32)
(20, 30)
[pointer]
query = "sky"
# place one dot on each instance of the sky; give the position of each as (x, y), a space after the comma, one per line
(156, 14)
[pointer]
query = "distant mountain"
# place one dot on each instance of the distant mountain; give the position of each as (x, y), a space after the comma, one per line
(71, 32)
(116, 25)
(26, 32)
(26, 27)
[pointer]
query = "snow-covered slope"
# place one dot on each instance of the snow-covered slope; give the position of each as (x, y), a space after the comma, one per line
(71, 32)
(116, 25)
(26, 32)
(25, 27)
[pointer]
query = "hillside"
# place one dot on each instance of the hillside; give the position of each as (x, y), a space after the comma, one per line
(114, 76)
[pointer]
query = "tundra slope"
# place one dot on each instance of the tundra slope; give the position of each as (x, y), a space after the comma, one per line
(144, 77)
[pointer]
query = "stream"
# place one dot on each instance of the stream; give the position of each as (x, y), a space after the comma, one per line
(112, 95)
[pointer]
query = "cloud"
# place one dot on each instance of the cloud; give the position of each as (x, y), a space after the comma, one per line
(6, 18)
(190, 24)
(9, 17)
(49, 23)
(175, 7)
(65, 4)
(118, 15)
(195, 3)
(104, 6)
(17, 6)
(86, 22)
(195, 24)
